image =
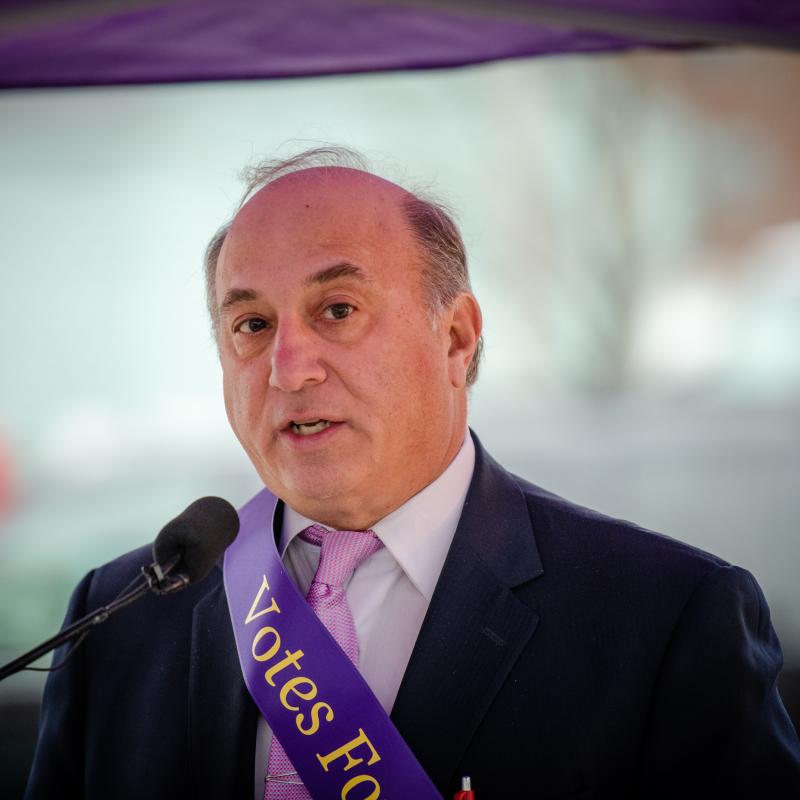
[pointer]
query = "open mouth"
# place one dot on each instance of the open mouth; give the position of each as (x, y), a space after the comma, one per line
(309, 428)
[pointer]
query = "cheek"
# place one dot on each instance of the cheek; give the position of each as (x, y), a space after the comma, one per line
(230, 396)
(395, 367)
(410, 379)
(237, 391)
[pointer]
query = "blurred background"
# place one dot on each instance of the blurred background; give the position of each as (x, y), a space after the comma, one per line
(633, 223)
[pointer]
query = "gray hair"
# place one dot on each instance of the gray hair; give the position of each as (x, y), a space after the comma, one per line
(445, 274)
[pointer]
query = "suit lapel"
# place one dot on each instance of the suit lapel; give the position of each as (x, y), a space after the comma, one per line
(222, 717)
(475, 627)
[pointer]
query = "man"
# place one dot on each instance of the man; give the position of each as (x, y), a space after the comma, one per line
(538, 647)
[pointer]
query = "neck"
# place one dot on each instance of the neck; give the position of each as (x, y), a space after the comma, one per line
(362, 513)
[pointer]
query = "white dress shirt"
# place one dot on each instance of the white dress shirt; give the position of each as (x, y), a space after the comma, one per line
(390, 592)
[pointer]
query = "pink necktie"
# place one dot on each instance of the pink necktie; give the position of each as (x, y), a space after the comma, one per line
(341, 553)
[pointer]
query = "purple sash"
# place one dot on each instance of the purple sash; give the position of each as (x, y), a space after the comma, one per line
(331, 725)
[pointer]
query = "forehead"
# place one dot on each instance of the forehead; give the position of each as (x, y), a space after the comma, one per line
(301, 220)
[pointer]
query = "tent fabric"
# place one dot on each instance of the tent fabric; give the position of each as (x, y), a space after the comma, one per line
(149, 41)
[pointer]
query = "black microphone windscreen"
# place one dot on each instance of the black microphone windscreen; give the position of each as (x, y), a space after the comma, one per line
(198, 536)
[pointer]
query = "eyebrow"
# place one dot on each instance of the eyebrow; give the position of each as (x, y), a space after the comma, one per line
(235, 296)
(342, 270)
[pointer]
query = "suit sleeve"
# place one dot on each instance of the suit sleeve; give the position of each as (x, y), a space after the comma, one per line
(717, 726)
(58, 763)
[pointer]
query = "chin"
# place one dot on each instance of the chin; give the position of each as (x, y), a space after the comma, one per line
(315, 488)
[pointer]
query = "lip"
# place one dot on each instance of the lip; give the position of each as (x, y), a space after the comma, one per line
(299, 441)
(303, 415)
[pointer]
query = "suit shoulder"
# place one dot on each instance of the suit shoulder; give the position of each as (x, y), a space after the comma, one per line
(574, 533)
(106, 581)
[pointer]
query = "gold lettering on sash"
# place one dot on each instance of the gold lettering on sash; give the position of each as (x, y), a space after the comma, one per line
(291, 658)
(303, 688)
(314, 726)
(345, 749)
(360, 779)
(273, 648)
(273, 606)
(291, 686)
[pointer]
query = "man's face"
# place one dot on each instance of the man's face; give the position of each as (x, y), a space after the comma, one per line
(340, 388)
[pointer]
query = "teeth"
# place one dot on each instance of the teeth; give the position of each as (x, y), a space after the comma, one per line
(307, 428)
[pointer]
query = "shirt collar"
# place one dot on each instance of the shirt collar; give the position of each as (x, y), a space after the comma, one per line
(418, 534)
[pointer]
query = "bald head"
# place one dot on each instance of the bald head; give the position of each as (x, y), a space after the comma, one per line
(336, 203)
(333, 220)
(342, 176)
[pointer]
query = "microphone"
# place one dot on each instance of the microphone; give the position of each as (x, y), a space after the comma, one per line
(188, 546)
(185, 551)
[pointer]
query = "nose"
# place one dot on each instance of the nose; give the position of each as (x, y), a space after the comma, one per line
(295, 357)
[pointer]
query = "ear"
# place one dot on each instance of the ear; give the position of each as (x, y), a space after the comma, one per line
(466, 324)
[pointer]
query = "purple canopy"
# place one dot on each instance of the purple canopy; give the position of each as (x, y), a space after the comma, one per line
(147, 41)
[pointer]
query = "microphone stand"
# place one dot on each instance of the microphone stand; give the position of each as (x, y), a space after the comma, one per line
(157, 579)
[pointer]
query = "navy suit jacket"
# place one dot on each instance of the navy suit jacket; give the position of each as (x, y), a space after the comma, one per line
(564, 655)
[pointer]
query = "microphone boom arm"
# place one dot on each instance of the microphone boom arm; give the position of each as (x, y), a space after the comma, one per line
(157, 579)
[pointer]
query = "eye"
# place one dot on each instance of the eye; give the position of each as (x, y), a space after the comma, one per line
(338, 311)
(251, 325)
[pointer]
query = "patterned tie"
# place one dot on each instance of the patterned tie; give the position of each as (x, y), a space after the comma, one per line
(341, 553)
